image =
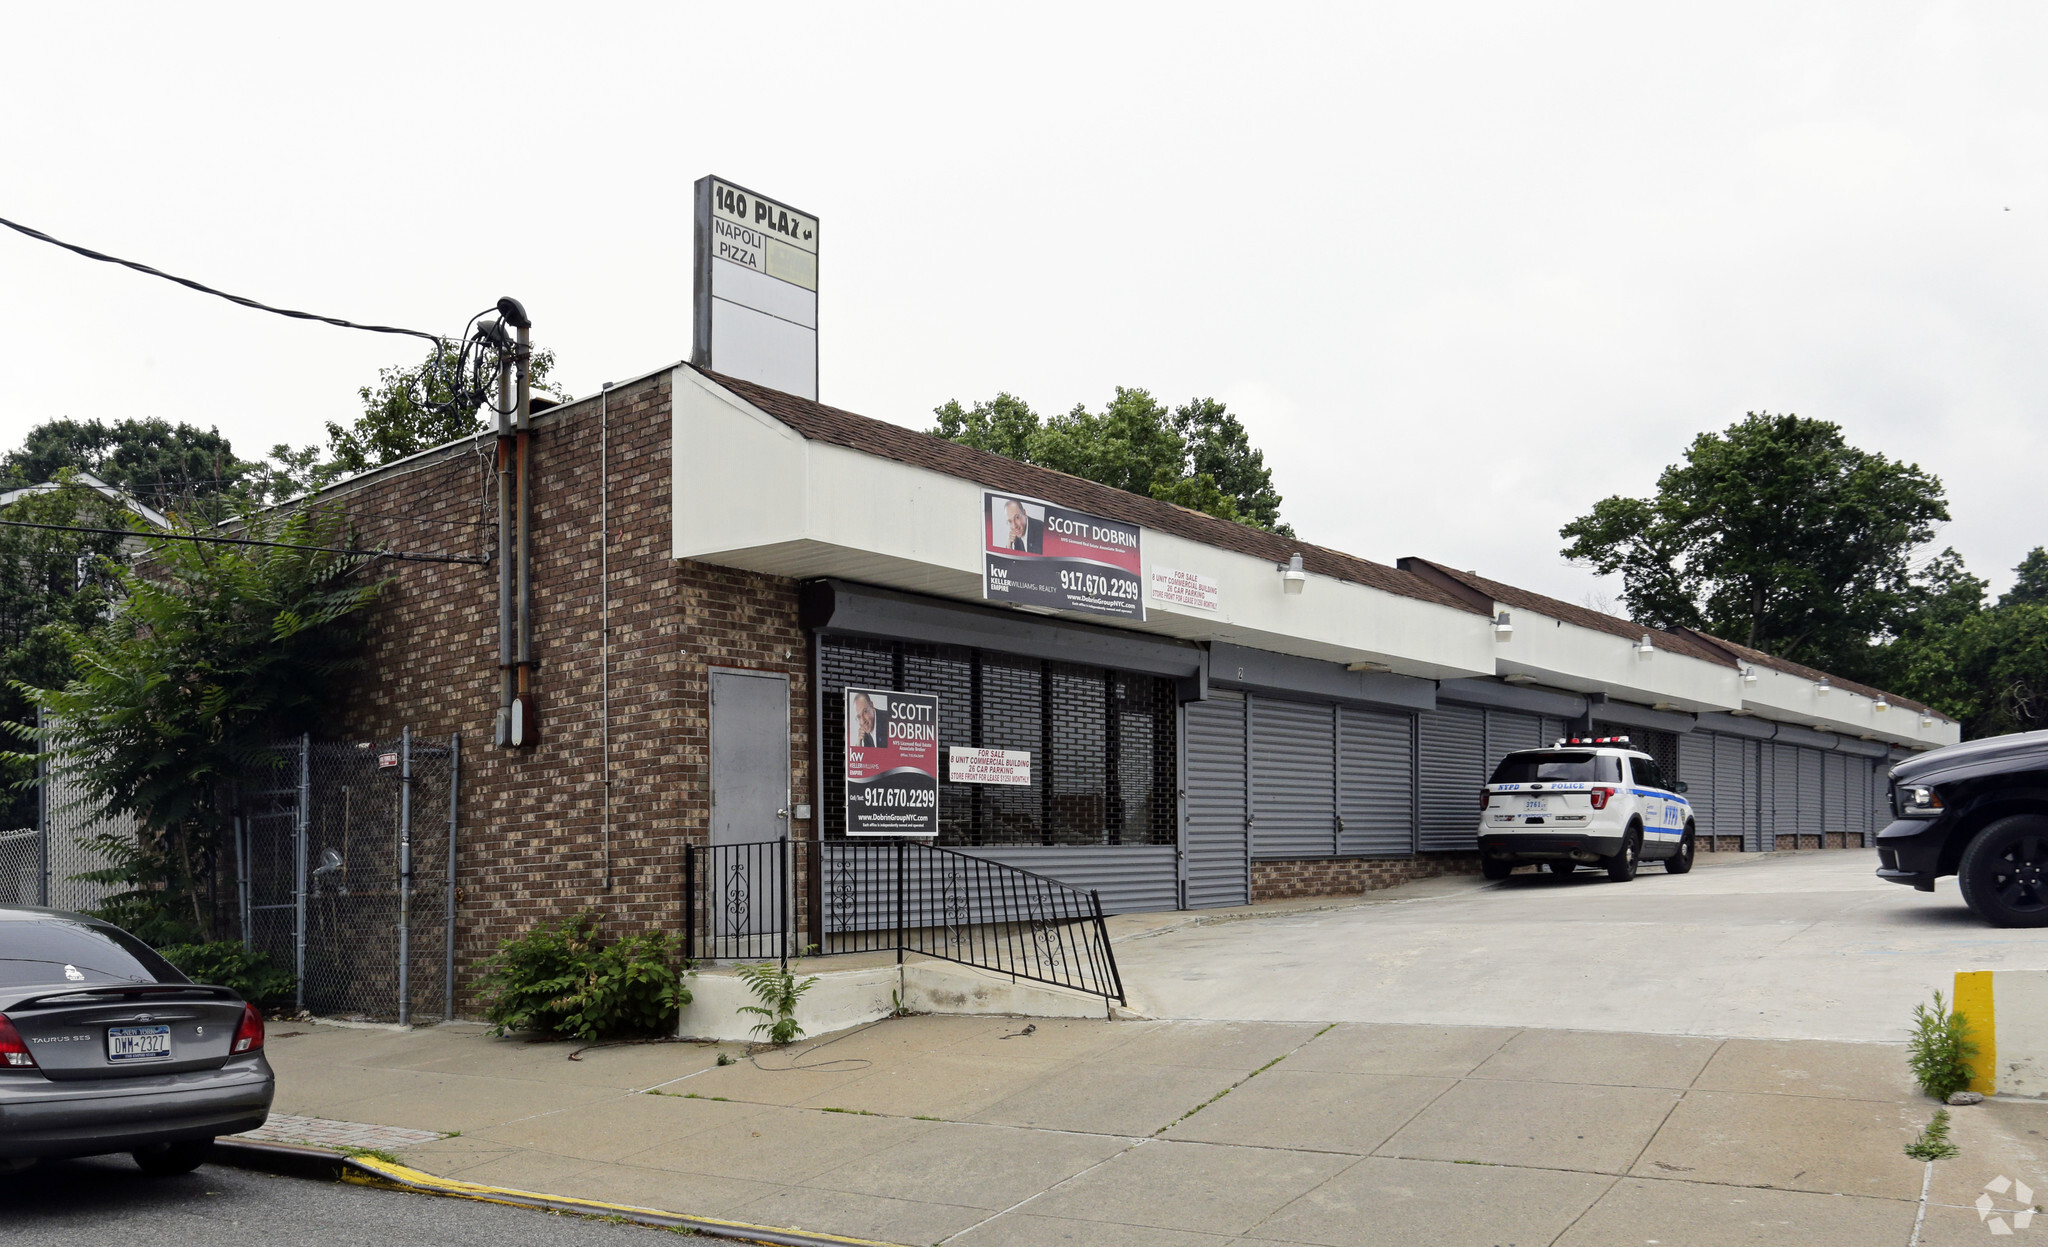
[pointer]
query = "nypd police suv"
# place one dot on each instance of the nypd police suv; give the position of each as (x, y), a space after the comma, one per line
(1596, 801)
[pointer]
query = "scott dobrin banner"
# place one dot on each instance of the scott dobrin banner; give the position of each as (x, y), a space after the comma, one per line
(1038, 554)
(892, 763)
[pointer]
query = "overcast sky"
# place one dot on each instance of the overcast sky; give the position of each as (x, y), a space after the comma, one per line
(1462, 270)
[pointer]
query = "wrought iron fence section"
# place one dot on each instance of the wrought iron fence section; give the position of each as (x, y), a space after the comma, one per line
(770, 899)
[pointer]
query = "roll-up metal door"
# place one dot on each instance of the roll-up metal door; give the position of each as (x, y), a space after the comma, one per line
(1880, 796)
(1811, 778)
(1218, 843)
(1294, 778)
(1375, 781)
(1131, 878)
(1507, 731)
(1785, 795)
(1753, 834)
(1834, 793)
(1451, 751)
(1696, 772)
(1857, 789)
(1732, 817)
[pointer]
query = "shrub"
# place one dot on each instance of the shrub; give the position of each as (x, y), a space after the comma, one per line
(229, 963)
(778, 991)
(1940, 1049)
(564, 979)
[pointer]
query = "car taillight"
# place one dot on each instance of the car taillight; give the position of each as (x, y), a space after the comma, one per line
(1485, 798)
(14, 1054)
(249, 1034)
(1600, 796)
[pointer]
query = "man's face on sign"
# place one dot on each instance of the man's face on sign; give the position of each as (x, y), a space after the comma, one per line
(1018, 525)
(864, 713)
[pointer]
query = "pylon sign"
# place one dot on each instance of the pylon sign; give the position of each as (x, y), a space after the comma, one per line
(756, 283)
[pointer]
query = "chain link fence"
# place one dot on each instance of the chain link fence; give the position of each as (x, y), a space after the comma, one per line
(346, 875)
(41, 865)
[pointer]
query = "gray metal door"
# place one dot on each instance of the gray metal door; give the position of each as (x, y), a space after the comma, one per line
(1375, 782)
(749, 798)
(1507, 731)
(1784, 802)
(1733, 814)
(1294, 778)
(1213, 777)
(1810, 785)
(1696, 772)
(1451, 747)
(1857, 788)
(1753, 833)
(1834, 793)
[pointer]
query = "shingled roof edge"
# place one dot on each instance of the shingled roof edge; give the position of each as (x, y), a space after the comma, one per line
(820, 422)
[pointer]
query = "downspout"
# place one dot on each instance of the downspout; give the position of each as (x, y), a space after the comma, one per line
(604, 611)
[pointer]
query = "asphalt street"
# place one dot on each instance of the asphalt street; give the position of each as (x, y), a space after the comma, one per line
(106, 1200)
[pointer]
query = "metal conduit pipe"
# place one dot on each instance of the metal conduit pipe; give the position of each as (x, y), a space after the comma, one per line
(524, 728)
(503, 732)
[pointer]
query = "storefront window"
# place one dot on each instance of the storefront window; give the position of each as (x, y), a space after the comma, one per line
(1101, 742)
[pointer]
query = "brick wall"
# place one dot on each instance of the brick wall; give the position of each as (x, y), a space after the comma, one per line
(1349, 876)
(531, 819)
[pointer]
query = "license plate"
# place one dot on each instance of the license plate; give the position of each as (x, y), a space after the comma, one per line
(138, 1043)
(1535, 805)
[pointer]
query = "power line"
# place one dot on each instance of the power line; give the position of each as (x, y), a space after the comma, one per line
(202, 288)
(405, 555)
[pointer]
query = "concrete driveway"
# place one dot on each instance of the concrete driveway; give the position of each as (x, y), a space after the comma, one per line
(1768, 946)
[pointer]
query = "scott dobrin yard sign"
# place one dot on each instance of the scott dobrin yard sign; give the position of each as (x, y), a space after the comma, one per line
(892, 763)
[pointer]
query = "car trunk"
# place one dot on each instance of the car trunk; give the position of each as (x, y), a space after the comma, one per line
(124, 1031)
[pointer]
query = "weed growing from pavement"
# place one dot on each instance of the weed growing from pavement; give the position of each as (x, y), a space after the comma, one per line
(1940, 1049)
(778, 991)
(371, 1153)
(1934, 1143)
(1219, 1095)
(857, 1112)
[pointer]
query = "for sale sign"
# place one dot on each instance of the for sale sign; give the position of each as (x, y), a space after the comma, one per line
(988, 766)
(892, 763)
(1038, 554)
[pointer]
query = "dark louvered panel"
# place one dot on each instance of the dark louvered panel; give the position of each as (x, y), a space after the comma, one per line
(1753, 833)
(1219, 853)
(1294, 778)
(1452, 741)
(1376, 782)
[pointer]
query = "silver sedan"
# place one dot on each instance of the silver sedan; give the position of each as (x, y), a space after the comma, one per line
(106, 1047)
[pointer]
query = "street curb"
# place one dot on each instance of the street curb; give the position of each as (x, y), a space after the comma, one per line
(318, 1163)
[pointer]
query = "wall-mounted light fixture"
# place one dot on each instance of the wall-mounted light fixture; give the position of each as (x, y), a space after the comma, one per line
(1503, 627)
(1823, 688)
(1368, 666)
(1749, 675)
(1292, 576)
(1646, 648)
(1926, 720)
(1882, 705)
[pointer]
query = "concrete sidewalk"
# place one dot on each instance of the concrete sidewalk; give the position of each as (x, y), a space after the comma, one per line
(992, 1131)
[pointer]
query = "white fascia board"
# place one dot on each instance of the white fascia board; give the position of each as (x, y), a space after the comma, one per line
(749, 492)
(1782, 697)
(1565, 655)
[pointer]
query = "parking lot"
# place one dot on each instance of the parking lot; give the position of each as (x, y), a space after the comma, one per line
(1768, 946)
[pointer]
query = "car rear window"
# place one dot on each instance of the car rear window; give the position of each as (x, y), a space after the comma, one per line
(1563, 767)
(61, 951)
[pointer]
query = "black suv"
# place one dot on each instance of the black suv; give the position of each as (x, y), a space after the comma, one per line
(1978, 811)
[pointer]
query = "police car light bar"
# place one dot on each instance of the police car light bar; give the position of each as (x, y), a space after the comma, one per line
(1592, 740)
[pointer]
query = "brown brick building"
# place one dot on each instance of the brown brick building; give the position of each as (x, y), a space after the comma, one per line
(1281, 732)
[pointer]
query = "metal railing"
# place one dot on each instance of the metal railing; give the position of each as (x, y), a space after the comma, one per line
(772, 899)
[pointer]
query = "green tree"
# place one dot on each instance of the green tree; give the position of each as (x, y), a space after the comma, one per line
(171, 467)
(2030, 580)
(212, 653)
(407, 411)
(1775, 532)
(51, 584)
(1198, 455)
